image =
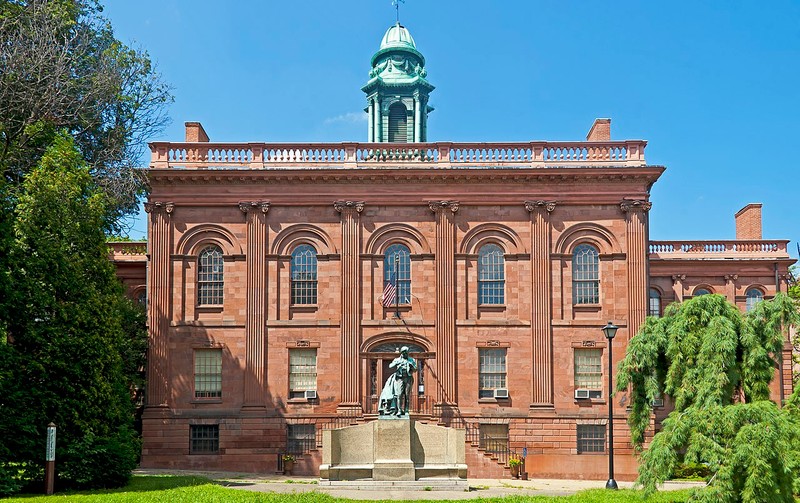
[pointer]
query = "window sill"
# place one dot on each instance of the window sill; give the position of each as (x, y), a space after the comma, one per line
(205, 400)
(586, 307)
(300, 401)
(493, 400)
(304, 308)
(590, 401)
(209, 309)
(492, 308)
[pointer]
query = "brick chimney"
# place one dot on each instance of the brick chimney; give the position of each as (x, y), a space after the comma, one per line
(601, 130)
(195, 132)
(748, 222)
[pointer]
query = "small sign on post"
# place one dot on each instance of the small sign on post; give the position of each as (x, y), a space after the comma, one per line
(50, 459)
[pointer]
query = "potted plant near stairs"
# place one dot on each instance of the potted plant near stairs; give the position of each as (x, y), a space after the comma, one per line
(288, 463)
(515, 464)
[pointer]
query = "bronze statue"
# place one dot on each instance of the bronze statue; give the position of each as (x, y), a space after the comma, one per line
(395, 398)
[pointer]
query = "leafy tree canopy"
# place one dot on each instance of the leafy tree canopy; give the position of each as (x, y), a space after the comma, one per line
(717, 365)
(61, 68)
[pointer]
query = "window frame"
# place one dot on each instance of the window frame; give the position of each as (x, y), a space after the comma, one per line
(491, 275)
(298, 393)
(658, 311)
(404, 275)
(751, 302)
(207, 377)
(204, 435)
(592, 442)
(580, 379)
(211, 283)
(585, 283)
(303, 292)
(487, 392)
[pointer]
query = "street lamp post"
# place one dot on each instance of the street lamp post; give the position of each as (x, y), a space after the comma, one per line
(610, 330)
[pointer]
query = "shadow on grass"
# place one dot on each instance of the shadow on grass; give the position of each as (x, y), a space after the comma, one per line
(137, 484)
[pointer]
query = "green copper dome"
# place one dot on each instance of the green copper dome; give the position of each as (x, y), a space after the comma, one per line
(398, 36)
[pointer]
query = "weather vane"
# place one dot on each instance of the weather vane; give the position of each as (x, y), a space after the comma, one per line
(396, 4)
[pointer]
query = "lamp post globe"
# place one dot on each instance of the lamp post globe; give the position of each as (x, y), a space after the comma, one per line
(609, 331)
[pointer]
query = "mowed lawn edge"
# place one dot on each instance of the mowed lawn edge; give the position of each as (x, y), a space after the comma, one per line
(179, 489)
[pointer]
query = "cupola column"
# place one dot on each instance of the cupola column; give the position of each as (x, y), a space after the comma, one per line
(371, 115)
(417, 120)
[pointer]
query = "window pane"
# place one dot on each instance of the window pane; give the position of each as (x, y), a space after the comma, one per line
(586, 275)
(210, 277)
(492, 371)
(204, 439)
(302, 371)
(403, 271)
(754, 296)
(591, 438)
(491, 275)
(588, 369)
(208, 373)
(304, 275)
(655, 303)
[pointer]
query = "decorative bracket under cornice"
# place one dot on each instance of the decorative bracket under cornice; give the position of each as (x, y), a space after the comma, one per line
(340, 206)
(247, 206)
(635, 204)
(159, 206)
(441, 205)
(549, 206)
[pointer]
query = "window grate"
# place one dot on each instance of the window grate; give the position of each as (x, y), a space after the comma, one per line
(591, 438)
(494, 437)
(301, 438)
(204, 439)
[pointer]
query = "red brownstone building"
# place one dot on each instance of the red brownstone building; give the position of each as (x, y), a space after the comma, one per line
(266, 266)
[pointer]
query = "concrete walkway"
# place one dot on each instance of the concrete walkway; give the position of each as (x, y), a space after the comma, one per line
(479, 488)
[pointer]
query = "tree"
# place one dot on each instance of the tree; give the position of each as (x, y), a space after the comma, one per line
(61, 68)
(74, 342)
(716, 364)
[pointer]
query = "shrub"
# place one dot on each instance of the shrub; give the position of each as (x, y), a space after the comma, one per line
(94, 462)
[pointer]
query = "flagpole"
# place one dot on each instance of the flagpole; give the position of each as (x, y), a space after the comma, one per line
(396, 291)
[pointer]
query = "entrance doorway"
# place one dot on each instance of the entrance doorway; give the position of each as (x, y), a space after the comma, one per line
(377, 371)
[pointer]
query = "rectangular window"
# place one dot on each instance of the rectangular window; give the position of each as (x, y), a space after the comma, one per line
(492, 372)
(494, 437)
(204, 439)
(589, 371)
(591, 438)
(301, 438)
(207, 373)
(302, 372)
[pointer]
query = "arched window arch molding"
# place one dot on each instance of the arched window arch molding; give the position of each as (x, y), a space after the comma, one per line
(194, 240)
(702, 287)
(397, 233)
(756, 286)
(498, 234)
(589, 233)
(396, 337)
(294, 235)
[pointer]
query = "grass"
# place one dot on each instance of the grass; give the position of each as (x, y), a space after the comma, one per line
(172, 489)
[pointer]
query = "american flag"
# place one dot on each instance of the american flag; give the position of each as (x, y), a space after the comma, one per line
(390, 291)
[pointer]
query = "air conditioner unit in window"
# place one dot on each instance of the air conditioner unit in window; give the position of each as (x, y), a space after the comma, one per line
(658, 402)
(311, 394)
(581, 394)
(501, 393)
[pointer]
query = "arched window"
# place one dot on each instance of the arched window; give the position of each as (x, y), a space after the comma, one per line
(754, 296)
(586, 275)
(702, 291)
(304, 275)
(398, 131)
(491, 275)
(141, 297)
(210, 277)
(655, 303)
(399, 256)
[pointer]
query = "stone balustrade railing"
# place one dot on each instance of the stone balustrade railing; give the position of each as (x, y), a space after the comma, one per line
(121, 249)
(374, 155)
(720, 249)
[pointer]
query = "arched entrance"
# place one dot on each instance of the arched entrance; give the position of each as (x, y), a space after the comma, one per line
(376, 361)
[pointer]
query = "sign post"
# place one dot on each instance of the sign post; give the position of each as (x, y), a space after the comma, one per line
(50, 460)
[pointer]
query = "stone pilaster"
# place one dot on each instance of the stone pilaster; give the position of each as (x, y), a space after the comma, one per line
(446, 354)
(677, 286)
(541, 314)
(730, 287)
(351, 302)
(255, 380)
(637, 243)
(159, 301)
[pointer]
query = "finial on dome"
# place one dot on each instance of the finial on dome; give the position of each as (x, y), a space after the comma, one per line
(396, 4)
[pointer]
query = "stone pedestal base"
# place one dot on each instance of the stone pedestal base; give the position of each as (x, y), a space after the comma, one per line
(393, 451)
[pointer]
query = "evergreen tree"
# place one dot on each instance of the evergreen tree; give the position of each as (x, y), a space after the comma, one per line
(72, 339)
(716, 364)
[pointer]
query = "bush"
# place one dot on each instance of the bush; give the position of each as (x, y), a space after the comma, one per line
(691, 471)
(94, 462)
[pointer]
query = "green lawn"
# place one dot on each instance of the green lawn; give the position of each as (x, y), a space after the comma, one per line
(200, 490)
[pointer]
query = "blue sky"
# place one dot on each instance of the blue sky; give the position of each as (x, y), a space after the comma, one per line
(713, 86)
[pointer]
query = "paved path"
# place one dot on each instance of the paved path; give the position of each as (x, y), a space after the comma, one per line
(479, 488)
